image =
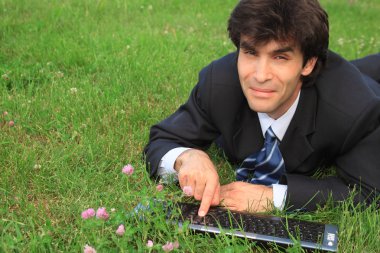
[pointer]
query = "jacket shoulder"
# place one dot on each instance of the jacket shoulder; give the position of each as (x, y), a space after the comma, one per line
(219, 89)
(343, 88)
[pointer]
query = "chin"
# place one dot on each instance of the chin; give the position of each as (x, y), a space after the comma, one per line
(259, 108)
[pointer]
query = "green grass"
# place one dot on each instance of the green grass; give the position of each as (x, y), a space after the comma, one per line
(84, 81)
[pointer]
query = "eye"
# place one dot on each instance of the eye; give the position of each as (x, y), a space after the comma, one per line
(280, 57)
(249, 51)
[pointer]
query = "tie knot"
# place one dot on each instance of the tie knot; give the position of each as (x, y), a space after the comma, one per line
(265, 166)
(269, 135)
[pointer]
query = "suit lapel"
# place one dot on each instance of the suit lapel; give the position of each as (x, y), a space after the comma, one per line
(248, 136)
(295, 147)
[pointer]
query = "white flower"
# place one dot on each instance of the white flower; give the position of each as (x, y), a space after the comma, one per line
(59, 74)
(340, 41)
(5, 77)
(73, 90)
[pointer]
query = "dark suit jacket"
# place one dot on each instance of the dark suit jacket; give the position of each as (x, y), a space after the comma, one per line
(337, 122)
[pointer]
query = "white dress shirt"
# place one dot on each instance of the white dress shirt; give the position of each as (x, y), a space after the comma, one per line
(279, 127)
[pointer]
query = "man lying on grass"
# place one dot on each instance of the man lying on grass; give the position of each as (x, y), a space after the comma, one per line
(281, 107)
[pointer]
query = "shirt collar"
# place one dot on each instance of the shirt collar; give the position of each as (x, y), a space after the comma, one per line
(280, 125)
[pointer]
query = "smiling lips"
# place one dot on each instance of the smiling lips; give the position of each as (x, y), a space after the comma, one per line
(263, 93)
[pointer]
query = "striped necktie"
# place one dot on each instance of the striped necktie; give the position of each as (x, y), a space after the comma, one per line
(265, 166)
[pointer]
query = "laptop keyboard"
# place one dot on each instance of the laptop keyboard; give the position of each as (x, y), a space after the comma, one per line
(258, 227)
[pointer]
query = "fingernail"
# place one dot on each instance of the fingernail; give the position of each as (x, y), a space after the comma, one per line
(188, 191)
(201, 213)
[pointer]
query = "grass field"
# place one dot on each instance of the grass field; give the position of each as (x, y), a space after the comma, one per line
(83, 81)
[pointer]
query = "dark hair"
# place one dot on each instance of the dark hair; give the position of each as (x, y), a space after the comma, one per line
(302, 22)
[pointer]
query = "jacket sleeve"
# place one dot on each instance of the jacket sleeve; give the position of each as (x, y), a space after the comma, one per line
(357, 166)
(190, 126)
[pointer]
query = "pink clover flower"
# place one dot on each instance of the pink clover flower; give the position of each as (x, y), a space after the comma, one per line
(88, 213)
(149, 244)
(128, 169)
(88, 249)
(159, 187)
(120, 230)
(168, 247)
(102, 214)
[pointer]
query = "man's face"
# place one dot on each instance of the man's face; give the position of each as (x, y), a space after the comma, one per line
(270, 75)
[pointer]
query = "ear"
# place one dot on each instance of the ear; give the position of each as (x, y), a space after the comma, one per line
(309, 66)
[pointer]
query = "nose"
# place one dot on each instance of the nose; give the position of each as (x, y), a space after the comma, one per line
(262, 71)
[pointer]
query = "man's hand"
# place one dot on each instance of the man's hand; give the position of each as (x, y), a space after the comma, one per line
(241, 196)
(196, 170)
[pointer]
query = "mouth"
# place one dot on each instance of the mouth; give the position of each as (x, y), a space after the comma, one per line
(262, 90)
(261, 93)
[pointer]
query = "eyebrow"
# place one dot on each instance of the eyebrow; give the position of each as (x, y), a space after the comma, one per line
(284, 50)
(247, 45)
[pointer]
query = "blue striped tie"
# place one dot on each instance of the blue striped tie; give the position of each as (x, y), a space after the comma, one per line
(265, 166)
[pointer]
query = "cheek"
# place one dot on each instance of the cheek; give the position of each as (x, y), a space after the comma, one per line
(241, 74)
(244, 68)
(288, 82)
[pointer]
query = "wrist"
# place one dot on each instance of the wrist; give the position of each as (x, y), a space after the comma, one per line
(180, 159)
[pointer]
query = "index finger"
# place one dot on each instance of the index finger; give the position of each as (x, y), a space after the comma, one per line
(208, 195)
